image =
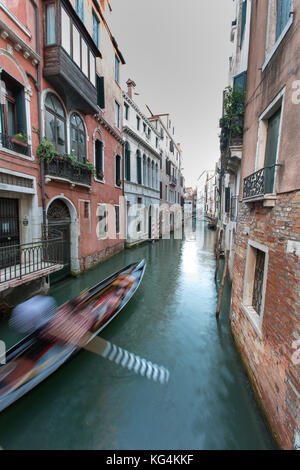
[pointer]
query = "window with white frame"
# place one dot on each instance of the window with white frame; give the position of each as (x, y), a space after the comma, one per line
(117, 110)
(269, 141)
(279, 21)
(255, 281)
(102, 221)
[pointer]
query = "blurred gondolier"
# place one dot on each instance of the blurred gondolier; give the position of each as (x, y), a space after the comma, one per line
(33, 314)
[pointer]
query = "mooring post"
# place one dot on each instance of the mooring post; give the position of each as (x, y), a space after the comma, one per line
(219, 246)
(222, 284)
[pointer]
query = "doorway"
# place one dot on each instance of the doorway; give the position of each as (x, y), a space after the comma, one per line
(9, 232)
(59, 220)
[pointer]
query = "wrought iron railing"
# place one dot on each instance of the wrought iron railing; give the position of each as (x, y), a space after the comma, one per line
(18, 261)
(234, 208)
(260, 183)
(61, 167)
(10, 143)
(173, 180)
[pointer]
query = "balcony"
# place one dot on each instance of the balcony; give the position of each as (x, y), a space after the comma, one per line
(19, 146)
(70, 59)
(69, 81)
(62, 169)
(260, 186)
(173, 180)
(24, 263)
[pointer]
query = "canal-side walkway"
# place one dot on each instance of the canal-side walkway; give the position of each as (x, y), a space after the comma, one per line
(91, 403)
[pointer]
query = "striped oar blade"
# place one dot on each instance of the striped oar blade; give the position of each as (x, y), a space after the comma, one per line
(128, 360)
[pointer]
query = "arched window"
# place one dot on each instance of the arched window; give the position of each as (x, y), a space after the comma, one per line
(99, 159)
(55, 123)
(138, 167)
(127, 162)
(78, 138)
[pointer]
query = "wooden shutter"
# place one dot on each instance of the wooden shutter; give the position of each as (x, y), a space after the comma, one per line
(244, 16)
(100, 92)
(139, 169)
(21, 113)
(271, 151)
(227, 200)
(283, 14)
(127, 164)
(118, 168)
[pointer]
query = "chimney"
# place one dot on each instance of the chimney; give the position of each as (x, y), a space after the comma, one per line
(130, 85)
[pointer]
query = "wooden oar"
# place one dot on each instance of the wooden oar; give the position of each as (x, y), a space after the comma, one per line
(120, 356)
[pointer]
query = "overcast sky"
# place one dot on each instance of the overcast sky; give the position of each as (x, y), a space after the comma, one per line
(177, 52)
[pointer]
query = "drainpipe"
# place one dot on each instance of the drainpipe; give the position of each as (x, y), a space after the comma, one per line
(42, 168)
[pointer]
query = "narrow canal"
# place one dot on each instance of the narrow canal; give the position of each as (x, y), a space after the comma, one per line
(91, 403)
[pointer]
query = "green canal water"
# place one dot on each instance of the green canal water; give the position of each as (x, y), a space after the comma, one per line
(90, 403)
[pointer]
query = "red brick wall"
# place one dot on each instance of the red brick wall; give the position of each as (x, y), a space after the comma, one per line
(268, 360)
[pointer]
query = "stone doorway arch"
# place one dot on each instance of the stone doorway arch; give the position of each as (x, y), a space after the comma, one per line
(61, 217)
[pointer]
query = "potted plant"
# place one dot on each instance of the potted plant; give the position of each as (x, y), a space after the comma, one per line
(100, 174)
(20, 139)
(119, 182)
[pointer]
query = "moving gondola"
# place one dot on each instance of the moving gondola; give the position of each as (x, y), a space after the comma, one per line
(34, 358)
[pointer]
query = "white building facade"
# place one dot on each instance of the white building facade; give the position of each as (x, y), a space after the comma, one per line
(142, 162)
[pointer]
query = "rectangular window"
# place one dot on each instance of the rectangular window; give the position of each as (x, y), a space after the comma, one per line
(255, 283)
(126, 108)
(102, 221)
(271, 151)
(149, 132)
(84, 54)
(138, 123)
(96, 24)
(65, 31)
(227, 200)
(12, 113)
(99, 160)
(117, 69)
(160, 189)
(156, 142)
(92, 68)
(283, 14)
(166, 192)
(76, 46)
(100, 92)
(144, 127)
(117, 213)
(50, 24)
(117, 108)
(86, 209)
(79, 8)
(118, 171)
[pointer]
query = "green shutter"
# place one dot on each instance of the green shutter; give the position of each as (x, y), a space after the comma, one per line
(271, 151)
(118, 168)
(227, 200)
(127, 164)
(100, 92)
(21, 112)
(283, 13)
(243, 25)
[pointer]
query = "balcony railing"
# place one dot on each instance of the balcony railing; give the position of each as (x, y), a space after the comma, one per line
(260, 183)
(63, 169)
(173, 180)
(10, 143)
(22, 261)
